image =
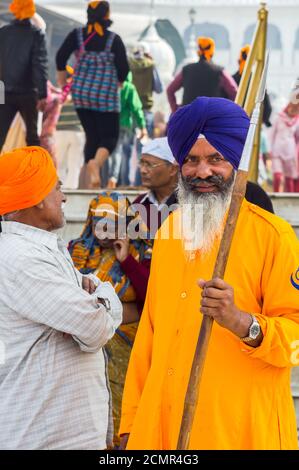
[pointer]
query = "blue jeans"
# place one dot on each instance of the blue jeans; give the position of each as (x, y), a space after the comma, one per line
(126, 153)
(149, 123)
(118, 164)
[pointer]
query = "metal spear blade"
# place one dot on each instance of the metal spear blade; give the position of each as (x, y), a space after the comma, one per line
(262, 89)
(247, 151)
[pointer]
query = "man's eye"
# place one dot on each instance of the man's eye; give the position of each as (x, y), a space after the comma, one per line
(191, 159)
(216, 159)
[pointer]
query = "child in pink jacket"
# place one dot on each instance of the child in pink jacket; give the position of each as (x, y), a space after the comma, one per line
(284, 149)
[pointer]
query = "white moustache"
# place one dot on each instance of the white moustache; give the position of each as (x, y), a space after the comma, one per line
(200, 232)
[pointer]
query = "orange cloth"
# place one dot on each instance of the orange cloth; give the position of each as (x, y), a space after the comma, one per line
(243, 57)
(245, 398)
(22, 9)
(95, 4)
(206, 47)
(27, 176)
(97, 26)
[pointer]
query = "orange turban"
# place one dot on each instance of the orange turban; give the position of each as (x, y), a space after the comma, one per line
(27, 176)
(243, 57)
(206, 47)
(22, 9)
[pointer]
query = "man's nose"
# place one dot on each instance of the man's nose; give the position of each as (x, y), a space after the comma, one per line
(203, 170)
(143, 171)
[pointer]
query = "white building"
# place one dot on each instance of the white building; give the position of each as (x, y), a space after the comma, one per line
(230, 22)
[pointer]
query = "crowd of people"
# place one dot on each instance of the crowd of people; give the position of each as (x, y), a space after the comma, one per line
(125, 295)
(104, 101)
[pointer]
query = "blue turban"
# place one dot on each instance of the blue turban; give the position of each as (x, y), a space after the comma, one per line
(223, 123)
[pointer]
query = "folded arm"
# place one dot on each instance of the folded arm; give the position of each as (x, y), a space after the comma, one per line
(44, 295)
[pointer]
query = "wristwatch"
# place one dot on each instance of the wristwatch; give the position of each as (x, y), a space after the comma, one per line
(106, 303)
(254, 331)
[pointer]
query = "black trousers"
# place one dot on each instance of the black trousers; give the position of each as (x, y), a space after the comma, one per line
(101, 130)
(25, 104)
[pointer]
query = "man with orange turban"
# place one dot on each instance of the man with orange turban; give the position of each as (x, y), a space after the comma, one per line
(54, 321)
(23, 70)
(202, 78)
(244, 53)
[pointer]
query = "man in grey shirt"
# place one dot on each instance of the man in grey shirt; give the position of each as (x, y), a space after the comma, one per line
(53, 321)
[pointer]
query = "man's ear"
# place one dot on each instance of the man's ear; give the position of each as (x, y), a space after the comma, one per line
(175, 170)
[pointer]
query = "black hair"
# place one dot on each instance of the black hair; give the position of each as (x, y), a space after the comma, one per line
(97, 15)
(244, 55)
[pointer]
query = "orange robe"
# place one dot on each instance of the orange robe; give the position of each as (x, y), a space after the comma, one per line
(245, 399)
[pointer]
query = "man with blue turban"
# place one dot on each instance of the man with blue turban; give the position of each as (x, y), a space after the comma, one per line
(244, 399)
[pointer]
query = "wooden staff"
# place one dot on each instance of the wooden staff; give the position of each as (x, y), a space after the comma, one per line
(238, 194)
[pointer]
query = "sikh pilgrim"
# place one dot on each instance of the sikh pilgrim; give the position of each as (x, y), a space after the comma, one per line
(244, 400)
(98, 331)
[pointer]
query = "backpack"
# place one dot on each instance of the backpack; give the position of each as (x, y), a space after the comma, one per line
(95, 83)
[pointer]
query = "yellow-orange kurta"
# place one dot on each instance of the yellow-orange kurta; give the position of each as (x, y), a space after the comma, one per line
(245, 399)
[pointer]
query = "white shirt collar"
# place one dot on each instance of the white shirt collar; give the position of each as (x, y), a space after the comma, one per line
(33, 234)
(152, 199)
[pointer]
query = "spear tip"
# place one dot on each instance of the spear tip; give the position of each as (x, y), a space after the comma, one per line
(262, 90)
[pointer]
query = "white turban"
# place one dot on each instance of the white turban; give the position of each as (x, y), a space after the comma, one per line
(159, 148)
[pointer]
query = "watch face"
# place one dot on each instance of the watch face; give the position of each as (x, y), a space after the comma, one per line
(255, 330)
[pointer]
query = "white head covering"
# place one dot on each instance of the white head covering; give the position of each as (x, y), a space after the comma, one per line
(159, 148)
(140, 49)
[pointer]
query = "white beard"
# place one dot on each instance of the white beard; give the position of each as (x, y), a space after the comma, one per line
(202, 218)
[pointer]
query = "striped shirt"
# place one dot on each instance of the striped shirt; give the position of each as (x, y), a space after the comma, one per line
(53, 384)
